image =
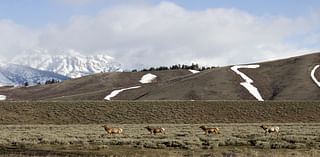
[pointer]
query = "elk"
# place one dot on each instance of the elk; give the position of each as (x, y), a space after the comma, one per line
(113, 130)
(209, 130)
(155, 130)
(269, 130)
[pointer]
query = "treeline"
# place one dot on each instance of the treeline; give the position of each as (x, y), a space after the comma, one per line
(52, 81)
(176, 67)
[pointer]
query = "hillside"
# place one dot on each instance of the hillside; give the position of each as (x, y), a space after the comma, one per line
(286, 79)
(91, 87)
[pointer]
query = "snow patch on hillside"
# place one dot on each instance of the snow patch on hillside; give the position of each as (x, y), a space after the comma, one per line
(313, 77)
(116, 92)
(3, 97)
(247, 84)
(147, 78)
(194, 71)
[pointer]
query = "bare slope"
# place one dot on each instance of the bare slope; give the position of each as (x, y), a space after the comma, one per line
(287, 79)
(214, 84)
(92, 87)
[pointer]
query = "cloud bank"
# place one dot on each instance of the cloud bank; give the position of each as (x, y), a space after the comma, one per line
(15, 39)
(166, 34)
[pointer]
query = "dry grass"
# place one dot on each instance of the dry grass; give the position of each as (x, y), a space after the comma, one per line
(301, 139)
(155, 112)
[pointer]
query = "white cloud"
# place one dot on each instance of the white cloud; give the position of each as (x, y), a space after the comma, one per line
(168, 34)
(15, 39)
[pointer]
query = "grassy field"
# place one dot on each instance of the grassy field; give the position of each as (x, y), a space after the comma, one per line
(247, 139)
(154, 112)
(74, 128)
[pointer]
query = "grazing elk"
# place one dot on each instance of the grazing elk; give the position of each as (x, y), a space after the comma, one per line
(155, 130)
(209, 130)
(113, 130)
(269, 130)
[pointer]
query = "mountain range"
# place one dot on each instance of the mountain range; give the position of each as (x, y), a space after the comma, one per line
(37, 65)
(13, 74)
(69, 63)
(286, 79)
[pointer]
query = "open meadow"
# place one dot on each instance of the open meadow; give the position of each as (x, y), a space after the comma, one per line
(246, 139)
(74, 128)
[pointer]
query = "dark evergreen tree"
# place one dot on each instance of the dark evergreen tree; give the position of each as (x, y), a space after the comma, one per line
(151, 69)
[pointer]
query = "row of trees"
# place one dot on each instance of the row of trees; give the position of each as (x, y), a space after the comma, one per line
(177, 66)
(52, 81)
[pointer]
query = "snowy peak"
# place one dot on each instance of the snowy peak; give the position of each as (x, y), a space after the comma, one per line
(71, 63)
(12, 74)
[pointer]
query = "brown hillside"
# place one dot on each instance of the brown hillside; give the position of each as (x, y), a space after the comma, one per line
(214, 84)
(286, 79)
(92, 87)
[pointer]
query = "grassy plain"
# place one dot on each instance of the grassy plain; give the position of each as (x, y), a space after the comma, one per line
(246, 139)
(74, 128)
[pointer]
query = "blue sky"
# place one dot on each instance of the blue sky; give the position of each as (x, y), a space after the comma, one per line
(154, 32)
(289, 8)
(35, 13)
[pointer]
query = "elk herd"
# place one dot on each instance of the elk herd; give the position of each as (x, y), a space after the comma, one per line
(206, 130)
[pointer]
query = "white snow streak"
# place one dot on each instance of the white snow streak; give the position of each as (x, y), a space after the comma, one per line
(116, 92)
(313, 77)
(252, 90)
(194, 71)
(3, 97)
(147, 78)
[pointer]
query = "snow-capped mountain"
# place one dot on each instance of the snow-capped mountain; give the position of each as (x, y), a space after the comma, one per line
(12, 74)
(70, 63)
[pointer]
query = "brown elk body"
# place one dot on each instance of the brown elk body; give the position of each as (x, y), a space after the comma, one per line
(271, 129)
(155, 130)
(112, 130)
(209, 130)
